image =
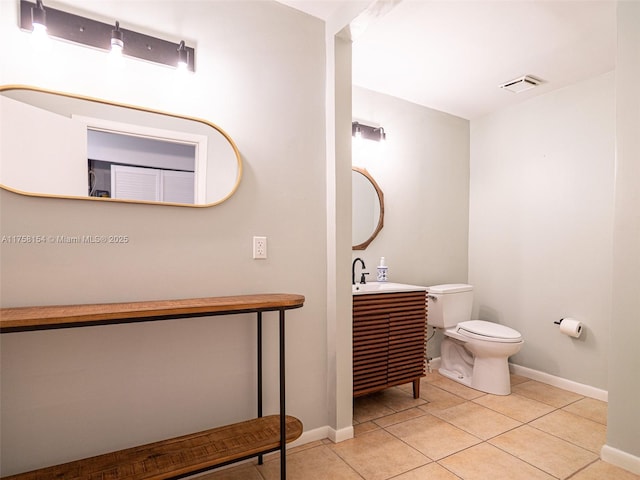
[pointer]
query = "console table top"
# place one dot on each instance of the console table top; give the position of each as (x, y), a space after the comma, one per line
(19, 319)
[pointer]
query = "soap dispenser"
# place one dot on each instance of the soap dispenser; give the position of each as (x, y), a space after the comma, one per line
(382, 270)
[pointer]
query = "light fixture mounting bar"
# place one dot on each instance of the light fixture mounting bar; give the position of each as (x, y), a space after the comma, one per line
(92, 33)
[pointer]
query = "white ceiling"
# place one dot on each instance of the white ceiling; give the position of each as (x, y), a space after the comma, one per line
(452, 55)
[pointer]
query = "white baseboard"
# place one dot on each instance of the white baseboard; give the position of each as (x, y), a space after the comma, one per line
(620, 459)
(309, 436)
(321, 433)
(570, 385)
(337, 436)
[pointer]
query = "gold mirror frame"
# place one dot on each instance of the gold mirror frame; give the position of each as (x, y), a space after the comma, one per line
(367, 175)
(236, 152)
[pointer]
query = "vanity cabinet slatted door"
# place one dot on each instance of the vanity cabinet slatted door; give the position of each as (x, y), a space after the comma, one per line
(389, 335)
(407, 348)
(370, 351)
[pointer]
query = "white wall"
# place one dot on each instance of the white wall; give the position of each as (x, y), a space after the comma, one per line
(423, 171)
(339, 307)
(58, 152)
(541, 217)
(623, 425)
(77, 392)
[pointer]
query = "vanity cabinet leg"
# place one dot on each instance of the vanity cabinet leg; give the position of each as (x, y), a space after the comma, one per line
(416, 388)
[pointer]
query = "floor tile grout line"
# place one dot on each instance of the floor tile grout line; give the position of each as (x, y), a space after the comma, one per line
(452, 473)
(487, 441)
(582, 397)
(346, 462)
(537, 467)
(583, 468)
(565, 440)
(581, 416)
(431, 460)
(519, 396)
(306, 450)
(421, 466)
(552, 404)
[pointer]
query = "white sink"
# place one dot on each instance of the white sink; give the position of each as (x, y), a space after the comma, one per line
(383, 287)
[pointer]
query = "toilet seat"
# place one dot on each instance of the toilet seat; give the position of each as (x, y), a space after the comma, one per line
(488, 331)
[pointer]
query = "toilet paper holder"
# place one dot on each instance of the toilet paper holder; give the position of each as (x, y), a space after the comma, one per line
(573, 328)
(560, 321)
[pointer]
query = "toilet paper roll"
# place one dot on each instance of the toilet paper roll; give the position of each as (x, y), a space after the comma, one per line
(571, 327)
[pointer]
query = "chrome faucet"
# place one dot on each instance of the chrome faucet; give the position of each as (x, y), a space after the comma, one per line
(353, 272)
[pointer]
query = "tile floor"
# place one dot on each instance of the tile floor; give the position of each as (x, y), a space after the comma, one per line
(454, 432)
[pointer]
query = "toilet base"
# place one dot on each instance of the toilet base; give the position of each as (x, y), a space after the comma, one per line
(489, 374)
(455, 376)
(497, 382)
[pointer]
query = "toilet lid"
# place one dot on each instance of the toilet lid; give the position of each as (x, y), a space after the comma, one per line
(489, 331)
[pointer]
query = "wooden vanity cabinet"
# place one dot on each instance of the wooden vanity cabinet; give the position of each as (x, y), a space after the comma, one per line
(389, 340)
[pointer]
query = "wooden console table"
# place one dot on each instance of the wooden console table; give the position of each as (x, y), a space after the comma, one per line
(189, 454)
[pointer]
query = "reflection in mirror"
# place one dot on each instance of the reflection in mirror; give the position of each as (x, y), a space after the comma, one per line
(64, 145)
(367, 208)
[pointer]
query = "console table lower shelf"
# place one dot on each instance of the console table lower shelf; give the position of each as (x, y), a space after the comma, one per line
(186, 455)
(180, 456)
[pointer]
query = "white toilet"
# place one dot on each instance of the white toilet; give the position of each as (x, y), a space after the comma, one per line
(473, 352)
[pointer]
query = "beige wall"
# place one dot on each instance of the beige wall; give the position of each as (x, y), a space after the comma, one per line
(339, 314)
(540, 225)
(423, 171)
(623, 428)
(74, 393)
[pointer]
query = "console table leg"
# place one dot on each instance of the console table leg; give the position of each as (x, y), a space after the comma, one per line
(283, 433)
(259, 350)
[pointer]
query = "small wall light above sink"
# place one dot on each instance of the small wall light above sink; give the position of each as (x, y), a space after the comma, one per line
(367, 132)
(34, 17)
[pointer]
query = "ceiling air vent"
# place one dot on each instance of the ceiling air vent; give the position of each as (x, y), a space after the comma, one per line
(521, 84)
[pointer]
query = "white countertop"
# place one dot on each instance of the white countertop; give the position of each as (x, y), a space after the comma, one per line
(384, 287)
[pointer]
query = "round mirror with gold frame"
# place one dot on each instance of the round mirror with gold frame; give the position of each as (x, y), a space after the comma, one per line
(367, 208)
(57, 144)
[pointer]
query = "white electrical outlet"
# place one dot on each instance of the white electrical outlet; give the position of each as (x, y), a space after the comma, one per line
(259, 247)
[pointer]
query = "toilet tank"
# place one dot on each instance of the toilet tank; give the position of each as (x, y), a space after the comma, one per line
(449, 304)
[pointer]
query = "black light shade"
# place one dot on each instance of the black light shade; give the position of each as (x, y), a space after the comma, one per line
(183, 56)
(38, 15)
(117, 38)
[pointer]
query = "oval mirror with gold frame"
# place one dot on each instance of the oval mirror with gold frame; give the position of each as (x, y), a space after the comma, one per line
(367, 208)
(56, 144)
